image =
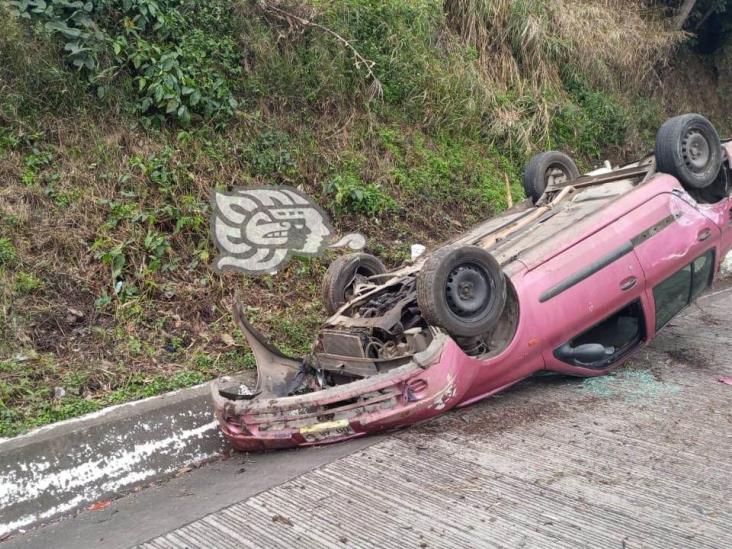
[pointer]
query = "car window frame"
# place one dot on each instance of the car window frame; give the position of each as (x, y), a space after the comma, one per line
(691, 297)
(643, 336)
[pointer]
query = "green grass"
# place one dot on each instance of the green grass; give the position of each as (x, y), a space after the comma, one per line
(25, 403)
(26, 283)
(8, 253)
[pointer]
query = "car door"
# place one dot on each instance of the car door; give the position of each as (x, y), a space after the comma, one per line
(597, 282)
(677, 254)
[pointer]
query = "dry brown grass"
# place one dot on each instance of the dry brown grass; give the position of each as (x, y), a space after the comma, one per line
(527, 47)
(527, 43)
(616, 43)
(512, 46)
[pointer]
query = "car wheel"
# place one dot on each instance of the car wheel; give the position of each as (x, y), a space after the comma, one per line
(688, 147)
(462, 290)
(343, 275)
(548, 168)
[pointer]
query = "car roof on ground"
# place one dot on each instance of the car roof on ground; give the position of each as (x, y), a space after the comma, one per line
(568, 221)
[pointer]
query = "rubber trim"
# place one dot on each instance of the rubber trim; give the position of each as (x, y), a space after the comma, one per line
(587, 271)
(606, 260)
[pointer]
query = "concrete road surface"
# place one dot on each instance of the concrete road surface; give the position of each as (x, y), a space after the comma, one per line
(641, 458)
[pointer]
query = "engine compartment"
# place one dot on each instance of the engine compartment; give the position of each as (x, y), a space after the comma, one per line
(382, 328)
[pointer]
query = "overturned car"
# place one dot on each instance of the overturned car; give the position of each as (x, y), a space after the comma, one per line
(573, 280)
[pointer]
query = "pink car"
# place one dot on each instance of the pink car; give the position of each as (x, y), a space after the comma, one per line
(572, 281)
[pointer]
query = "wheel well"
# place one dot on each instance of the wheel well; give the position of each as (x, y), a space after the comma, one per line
(500, 337)
(718, 190)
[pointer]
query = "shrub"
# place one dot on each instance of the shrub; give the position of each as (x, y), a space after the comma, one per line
(180, 61)
(351, 194)
(590, 122)
(271, 155)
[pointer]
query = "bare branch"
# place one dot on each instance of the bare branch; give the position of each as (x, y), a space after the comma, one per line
(683, 14)
(375, 89)
(713, 8)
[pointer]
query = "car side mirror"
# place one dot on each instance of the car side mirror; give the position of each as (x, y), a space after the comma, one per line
(587, 353)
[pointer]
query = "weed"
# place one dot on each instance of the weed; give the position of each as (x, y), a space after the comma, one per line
(590, 123)
(8, 253)
(157, 247)
(115, 258)
(33, 164)
(270, 155)
(157, 168)
(8, 141)
(232, 361)
(297, 332)
(459, 174)
(120, 212)
(59, 198)
(26, 283)
(351, 194)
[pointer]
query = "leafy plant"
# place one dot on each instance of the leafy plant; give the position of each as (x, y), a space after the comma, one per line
(116, 259)
(26, 283)
(270, 155)
(157, 246)
(157, 169)
(8, 254)
(351, 194)
(8, 141)
(32, 165)
(592, 121)
(178, 68)
(73, 21)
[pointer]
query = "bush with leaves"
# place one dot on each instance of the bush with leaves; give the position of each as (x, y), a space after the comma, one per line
(180, 61)
(73, 21)
(351, 194)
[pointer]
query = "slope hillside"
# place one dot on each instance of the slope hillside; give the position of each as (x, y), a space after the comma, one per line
(407, 120)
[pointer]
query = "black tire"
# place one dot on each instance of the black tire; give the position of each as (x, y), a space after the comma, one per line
(467, 270)
(688, 147)
(546, 166)
(343, 273)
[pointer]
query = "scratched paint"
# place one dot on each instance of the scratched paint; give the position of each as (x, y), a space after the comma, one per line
(444, 396)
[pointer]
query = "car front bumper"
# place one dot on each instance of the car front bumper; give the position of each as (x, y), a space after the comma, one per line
(425, 387)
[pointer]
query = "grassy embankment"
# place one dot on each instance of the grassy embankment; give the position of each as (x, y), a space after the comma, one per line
(115, 122)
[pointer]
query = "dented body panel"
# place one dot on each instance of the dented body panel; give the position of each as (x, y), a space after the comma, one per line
(580, 259)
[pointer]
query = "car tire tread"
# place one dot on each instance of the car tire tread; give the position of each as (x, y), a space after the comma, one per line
(340, 271)
(534, 180)
(669, 157)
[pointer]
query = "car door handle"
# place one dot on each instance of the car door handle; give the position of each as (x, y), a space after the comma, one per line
(704, 234)
(628, 283)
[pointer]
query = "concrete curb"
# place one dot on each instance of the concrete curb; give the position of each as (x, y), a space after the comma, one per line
(62, 467)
